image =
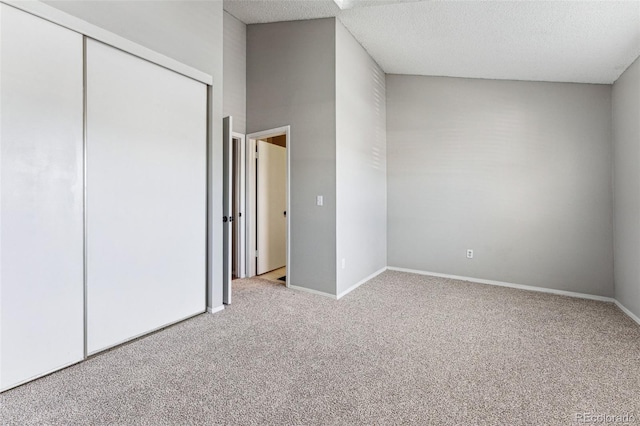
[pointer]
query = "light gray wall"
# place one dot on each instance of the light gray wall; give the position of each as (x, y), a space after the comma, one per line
(235, 72)
(520, 172)
(361, 163)
(626, 131)
(291, 81)
(192, 33)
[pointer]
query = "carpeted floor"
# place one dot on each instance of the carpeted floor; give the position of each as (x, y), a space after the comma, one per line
(401, 349)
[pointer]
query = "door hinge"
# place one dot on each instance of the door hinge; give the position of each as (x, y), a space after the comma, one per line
(256, 253)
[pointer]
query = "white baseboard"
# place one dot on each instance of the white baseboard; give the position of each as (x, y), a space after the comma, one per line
(214, 310)
(510, 285)
(359, 283)
(627, 311)
(308, 290)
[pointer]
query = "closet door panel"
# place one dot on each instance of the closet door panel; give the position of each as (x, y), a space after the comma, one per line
(146, 196)
(41, 197)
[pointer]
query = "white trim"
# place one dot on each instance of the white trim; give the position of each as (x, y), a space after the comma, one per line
(278, 131)
(73, 23)
(308, 290)
(627, 311)
(39, 376)
(251, 139)
(505, 284)
(239, 172)
(213, 231)
(359, 283)
(214, 310)
(250, 208)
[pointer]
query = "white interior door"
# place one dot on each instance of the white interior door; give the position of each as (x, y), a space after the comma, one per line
(271, 207)
(146, 196)
(41, 198)
(227, 208)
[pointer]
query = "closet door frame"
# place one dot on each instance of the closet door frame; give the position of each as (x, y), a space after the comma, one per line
(60, 18)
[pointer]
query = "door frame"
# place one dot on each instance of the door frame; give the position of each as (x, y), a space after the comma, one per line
(239, 170)
(251, 142)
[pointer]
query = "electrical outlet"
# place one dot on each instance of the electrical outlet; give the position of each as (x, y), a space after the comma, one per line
(469, 254)
(319, 200)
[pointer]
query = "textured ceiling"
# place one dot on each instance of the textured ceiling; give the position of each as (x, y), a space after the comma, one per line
(262, 11)
(574, 41)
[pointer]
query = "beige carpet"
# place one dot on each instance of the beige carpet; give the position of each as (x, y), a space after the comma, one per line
(402, 349)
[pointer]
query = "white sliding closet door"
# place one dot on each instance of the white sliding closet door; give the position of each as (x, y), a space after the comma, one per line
(41, 197)
(146, 196)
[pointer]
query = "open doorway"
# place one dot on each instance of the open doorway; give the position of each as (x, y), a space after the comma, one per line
(233, 205)
(268, 205)
(256, 206)
(271, 205)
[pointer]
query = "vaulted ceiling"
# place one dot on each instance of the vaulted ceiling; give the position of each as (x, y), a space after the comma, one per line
(570, 41)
